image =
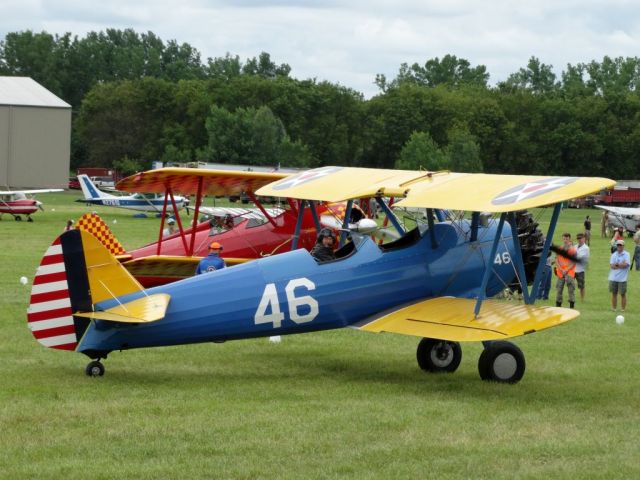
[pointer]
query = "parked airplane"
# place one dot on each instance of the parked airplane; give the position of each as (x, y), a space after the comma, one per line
(625, 217)
(434, 282)
(16, 202)
(145, 202)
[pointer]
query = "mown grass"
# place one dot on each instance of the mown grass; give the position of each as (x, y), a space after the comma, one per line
(339, 404)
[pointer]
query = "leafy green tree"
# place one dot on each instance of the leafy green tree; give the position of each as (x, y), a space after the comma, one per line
(537, 78)
(422, 153)
(128, 166)
(463, 151)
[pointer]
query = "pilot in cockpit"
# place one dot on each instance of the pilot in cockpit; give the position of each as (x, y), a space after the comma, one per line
(323, 249)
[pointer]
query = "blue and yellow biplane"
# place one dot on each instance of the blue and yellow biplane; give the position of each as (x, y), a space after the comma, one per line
(434, 282)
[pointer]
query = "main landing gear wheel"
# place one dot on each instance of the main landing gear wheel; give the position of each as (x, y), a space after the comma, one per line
(17, 218)
(94, 369)
(501, 362)
(438, 356)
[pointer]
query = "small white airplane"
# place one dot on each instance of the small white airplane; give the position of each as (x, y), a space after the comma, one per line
(145, 202)
(624, 217)
(17, 203)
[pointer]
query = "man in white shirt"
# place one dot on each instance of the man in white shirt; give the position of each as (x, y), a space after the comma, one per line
(619, 263)
(582, 253)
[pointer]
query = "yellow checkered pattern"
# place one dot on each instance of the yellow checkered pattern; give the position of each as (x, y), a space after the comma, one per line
(93, 224)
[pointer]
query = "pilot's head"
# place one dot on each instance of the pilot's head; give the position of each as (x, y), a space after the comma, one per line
(215, 247)
(326, 237)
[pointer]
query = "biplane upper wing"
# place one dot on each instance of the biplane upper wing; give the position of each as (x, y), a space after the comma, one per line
(186, 181)
(620, 210)
(452, 319)
(445, 190)
(41, 190)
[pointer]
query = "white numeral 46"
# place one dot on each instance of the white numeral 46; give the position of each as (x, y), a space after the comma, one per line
(269, 301)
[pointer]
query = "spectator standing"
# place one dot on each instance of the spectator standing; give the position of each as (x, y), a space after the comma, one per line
(582, 254)
(636, 252)
(587, 230)
(566, 271)
(618, 273)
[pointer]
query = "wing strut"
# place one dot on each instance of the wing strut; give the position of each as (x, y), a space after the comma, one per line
(258, 204)
(296, 233)
(487, 271)
(195, 216)
(518, 261)
(314, 214)
(392, 218)
(162, 218)
(345, 223)
(537, 278)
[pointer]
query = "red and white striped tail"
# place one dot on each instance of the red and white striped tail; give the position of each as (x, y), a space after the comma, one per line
(50, 314)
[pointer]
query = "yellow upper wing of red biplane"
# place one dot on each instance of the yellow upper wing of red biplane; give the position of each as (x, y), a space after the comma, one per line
(446, 190)
(186, 181)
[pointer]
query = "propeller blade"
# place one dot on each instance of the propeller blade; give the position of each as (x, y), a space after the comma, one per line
(563, 253)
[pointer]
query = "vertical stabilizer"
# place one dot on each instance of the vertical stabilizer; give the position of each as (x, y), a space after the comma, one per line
(76, 272)
(89, 189)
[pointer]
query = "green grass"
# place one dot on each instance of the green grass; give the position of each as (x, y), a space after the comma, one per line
(339, 404)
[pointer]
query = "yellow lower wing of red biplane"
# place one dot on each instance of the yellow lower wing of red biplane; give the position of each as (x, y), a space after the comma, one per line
(142, 310)
(452, 319)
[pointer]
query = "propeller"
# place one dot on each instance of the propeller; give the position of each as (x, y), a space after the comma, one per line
(563, 253)
(39, 205)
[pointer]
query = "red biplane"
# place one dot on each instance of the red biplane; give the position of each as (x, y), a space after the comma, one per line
(245, 234)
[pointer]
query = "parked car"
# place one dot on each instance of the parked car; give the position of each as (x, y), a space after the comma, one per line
(74, 183)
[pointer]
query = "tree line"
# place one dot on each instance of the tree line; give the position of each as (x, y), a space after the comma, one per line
(137, 99)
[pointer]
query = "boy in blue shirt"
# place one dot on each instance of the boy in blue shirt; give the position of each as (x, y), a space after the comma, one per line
(211, 262)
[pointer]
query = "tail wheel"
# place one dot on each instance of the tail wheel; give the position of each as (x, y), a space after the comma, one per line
(501, 362)
(438, 356)
(94, 369)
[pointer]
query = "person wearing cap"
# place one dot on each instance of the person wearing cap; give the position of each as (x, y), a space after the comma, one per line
(322, 251)
(211, 262)
(636, 252)
(582, 254)
(619, 264)
(171, 228)
(566, 272)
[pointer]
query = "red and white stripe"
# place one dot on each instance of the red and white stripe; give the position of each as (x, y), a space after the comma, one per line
(49, 313)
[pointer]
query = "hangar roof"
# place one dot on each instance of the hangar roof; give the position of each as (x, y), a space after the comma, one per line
(26, 92)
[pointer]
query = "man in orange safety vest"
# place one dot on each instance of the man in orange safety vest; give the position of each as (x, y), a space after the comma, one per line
(566, 271)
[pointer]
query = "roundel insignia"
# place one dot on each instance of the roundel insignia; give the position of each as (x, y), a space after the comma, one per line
(305, 177)
(531, 189)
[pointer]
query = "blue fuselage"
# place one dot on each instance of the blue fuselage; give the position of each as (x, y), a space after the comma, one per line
(292, 293)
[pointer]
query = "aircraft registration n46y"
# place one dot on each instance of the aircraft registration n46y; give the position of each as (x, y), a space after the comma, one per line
(435, 282)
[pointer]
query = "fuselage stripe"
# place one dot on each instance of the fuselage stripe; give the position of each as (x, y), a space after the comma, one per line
(46, 287)
(58, 341)
(47, 269)
(48, 314)
(55, 332)
(52, 323)
(51, 305)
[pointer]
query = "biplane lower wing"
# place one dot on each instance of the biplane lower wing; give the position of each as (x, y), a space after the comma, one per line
(452, 319)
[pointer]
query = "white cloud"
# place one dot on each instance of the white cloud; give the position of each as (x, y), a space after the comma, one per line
(348, 42)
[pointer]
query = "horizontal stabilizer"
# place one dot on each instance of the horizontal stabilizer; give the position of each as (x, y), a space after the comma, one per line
(143, 310)
(453, 319)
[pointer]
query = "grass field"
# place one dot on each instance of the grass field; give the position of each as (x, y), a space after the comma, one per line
(339, 404)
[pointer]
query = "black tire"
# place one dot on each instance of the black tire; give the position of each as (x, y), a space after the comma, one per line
(438, 356)
(501, 362)
(94, 369)
(17, 218)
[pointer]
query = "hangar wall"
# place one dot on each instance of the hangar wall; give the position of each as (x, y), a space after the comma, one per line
(38, 146)
(35, 136)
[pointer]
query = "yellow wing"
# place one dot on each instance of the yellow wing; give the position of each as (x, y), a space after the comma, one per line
(186, 181)
(447, 190)
(142, 310)
(452, 319)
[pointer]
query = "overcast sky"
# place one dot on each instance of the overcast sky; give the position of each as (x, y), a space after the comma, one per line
(349, 42)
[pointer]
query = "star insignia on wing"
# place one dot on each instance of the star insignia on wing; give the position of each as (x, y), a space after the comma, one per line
(531, 189)
(305, 177)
